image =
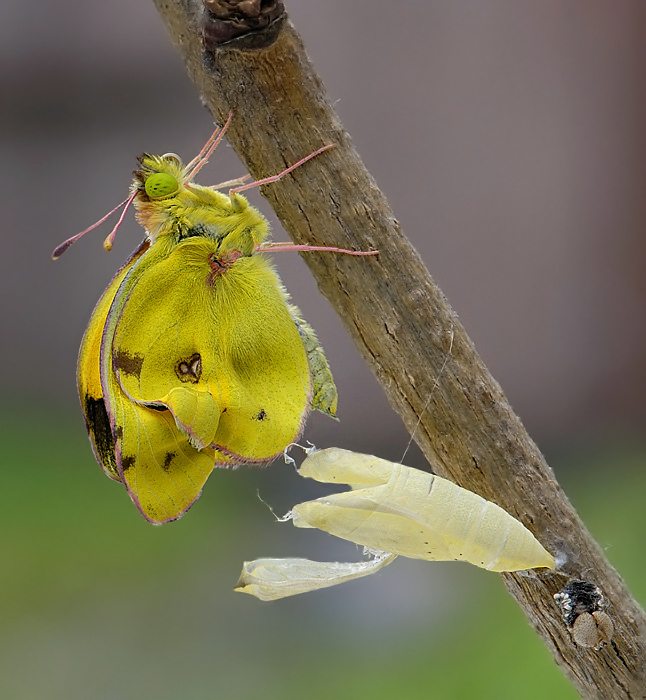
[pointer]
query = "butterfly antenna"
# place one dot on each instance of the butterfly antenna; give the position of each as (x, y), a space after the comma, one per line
(66, 244)
(107, 244)
(207, 145)
(275, 178)
(202, 158)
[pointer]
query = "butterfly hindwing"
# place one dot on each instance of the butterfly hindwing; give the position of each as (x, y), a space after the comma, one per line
(191, 367)
(201, 345)
(162, 471)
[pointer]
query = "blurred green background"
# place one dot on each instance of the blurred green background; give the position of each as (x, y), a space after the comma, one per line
(509, 139)
(99, 604)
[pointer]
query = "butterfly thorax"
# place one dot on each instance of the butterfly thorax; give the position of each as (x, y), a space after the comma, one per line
(169, 206)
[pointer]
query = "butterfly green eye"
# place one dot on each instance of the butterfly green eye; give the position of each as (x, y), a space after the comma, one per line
(161, 185)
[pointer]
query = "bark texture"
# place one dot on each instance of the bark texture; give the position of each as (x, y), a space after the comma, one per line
(397, 316)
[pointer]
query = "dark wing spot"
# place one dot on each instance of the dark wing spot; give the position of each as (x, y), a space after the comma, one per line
(189, 369)
(159, 407)
(127, 462)
(98, 426)
(261, 415)
(168, 459)
(128, 364)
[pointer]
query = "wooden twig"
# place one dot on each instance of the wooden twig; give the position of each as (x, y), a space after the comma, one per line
(246, 57)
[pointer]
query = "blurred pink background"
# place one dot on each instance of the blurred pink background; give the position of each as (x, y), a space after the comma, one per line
(509, 138)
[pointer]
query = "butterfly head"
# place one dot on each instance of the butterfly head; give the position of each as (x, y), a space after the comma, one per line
(159, 177)
(162, 194)
(162, 184)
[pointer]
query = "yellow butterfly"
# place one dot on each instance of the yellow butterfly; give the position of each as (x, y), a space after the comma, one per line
(194, 357)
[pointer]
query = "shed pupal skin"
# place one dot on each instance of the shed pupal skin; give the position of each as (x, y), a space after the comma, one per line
(393, 510)
(398, 509)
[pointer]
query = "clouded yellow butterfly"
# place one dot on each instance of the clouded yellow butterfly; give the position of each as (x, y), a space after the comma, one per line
(194, 357)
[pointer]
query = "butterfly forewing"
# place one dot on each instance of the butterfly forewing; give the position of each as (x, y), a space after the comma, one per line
(88, 374)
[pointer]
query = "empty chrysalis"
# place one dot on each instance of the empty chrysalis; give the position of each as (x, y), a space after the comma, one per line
(271, 579)
(402, 511)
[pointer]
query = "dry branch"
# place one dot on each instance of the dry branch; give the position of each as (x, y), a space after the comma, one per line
(246, 58)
